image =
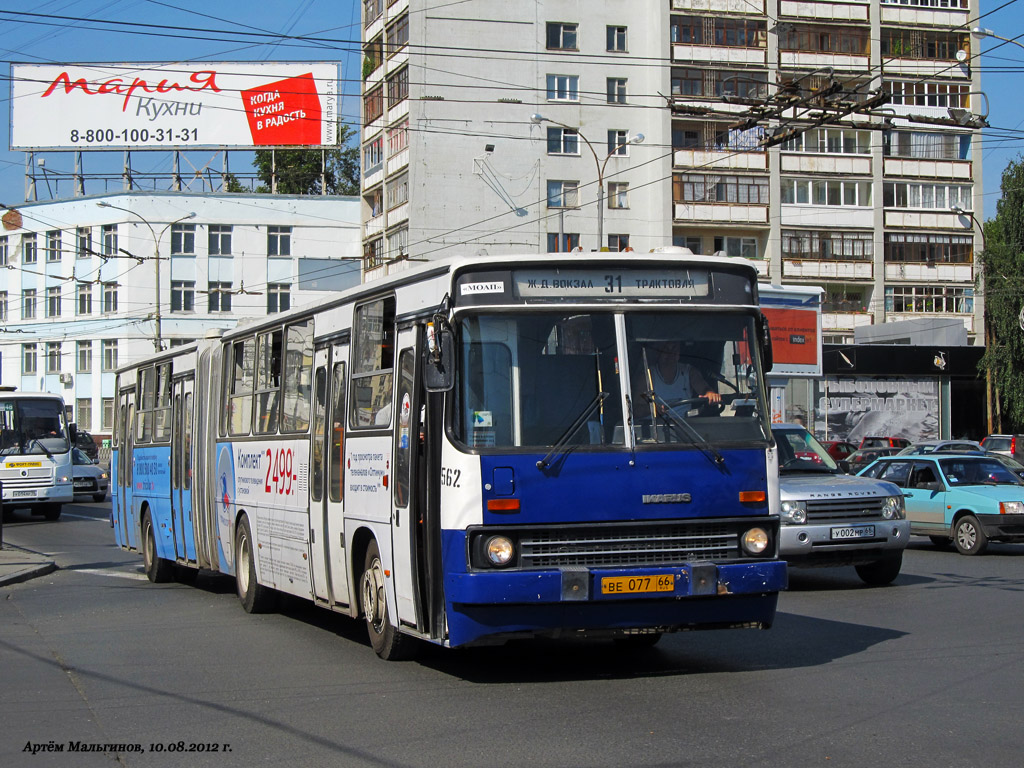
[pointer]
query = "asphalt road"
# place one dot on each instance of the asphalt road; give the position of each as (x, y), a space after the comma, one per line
(925, 672)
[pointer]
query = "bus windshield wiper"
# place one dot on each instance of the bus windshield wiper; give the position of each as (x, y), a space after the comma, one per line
(572, 429)
(46, 450)
(695, 437)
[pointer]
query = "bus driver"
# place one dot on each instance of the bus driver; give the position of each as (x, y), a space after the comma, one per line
(673, 380)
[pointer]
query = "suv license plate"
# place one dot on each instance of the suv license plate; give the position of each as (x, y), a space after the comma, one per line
(854, 532)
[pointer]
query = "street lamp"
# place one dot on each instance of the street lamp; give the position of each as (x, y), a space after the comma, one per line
(980, 32)
(158, 338)
(601, 165)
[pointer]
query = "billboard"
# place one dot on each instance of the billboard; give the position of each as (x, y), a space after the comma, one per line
(205, 105)
(794, 321)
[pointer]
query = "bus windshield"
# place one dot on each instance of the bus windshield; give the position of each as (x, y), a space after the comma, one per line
(32, 426)
(541, 378)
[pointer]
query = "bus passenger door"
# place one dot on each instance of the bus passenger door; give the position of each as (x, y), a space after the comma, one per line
(335, 546)
(404, 514)
(125, 460)
(318, 541)
(181, 470)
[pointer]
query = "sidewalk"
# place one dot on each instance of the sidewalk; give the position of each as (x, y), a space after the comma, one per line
(17, 564)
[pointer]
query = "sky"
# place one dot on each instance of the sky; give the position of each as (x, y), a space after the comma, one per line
(230, 30)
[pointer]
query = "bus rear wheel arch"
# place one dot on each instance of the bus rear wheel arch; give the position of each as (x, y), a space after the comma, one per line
(157, 569)
(255, 597)
(386, 640)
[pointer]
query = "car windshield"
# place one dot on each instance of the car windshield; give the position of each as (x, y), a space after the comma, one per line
(800, 452)
(980, 471)
(29, 426)
(548, 378)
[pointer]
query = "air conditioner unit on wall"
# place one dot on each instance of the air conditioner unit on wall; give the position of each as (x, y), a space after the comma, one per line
(65, 378)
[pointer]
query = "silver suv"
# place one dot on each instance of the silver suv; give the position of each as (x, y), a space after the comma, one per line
(830, 518)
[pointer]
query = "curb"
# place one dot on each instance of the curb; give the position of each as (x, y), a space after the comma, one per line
(31, 566)
(25, 574)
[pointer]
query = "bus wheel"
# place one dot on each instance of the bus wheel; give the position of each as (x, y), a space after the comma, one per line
(157, 569)
(254, 596)
(51, 511)
(387, 641)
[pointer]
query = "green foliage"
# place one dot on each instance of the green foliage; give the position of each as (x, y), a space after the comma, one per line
(1002, 274)
(312, 171)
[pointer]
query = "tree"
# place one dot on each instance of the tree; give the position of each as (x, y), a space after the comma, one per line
(1002, 275)
(299, 170)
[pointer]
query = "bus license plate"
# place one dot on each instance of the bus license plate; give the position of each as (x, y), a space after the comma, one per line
(634, 585)
(20, 494)
(854, 532)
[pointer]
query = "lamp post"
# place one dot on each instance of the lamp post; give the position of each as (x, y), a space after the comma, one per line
(980, 32)
(158, 338)
(601, 165)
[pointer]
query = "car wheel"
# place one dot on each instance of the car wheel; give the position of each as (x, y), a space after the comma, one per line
(51, 511)
(255, 597)
(968, 536)
(881, 572)
(98, 497)
(157, 569)
(387, 641)
(941, 542)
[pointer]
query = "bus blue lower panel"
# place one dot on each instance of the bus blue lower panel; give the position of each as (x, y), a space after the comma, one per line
(484, 604)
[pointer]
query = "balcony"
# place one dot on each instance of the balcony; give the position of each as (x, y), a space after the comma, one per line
(845, 321)
(933, 219)
(819, 60)
(954, 170)
(718, 54)
(703, 159)
(827, 269)
(374, 226)
(947, 18)
(824, 215)
(806, 162)
(725, 213)
(719, 6)
(918, 272)
(823, 10)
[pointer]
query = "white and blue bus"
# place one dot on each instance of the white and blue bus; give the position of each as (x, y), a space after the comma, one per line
(35, 452)
(473, 450)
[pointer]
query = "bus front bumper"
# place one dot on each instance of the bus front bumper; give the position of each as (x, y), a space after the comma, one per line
(62, 493)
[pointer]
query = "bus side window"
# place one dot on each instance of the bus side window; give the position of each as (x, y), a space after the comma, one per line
(298, 377)
(268, 382)
(373, 364)
(337, 436)
(243, 358)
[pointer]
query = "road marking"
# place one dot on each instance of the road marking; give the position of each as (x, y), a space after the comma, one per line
(118, 574)
(86, 517)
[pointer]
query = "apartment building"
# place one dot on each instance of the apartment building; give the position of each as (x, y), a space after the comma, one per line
(487, 126)
(96, 282)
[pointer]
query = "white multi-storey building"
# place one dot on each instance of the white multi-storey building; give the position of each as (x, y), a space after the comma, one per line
(488, 125)
(95, 282)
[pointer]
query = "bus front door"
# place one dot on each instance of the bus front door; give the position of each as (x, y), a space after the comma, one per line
(405, 513)
(125, 522)
(181, 470)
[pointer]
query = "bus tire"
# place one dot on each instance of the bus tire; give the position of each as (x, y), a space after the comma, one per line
(50, 511)
(387, 641)
(255, 597)
(157, 569)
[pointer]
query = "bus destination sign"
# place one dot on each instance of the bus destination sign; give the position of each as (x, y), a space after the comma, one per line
(611, 283)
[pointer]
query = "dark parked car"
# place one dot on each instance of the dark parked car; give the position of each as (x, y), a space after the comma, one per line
(1008, 445)
(942, 446)
(864, 456)
(85, 443)
(884, 442)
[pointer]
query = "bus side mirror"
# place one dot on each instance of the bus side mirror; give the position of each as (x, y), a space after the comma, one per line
(73, 432)
(766, 342)
(439, 362)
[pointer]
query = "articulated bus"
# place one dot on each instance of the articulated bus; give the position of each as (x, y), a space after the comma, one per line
(35, 452)
(472, 451)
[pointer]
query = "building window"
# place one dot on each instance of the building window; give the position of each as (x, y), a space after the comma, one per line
(929, 94)
(109, 232)
(744, 247)
(398, 35)
(83, 240)
(929, 299)
(279, 241)
(53, 301)
(563, 141)
(914, 43)
(183, 240)
(53, 245)
(848, 194)
(691, 242)
(183, 296)
(929, 196)
(53, 357)
(832, 141)
(731, 33)
(697, 188)
(616, 90)
(219, 298)
(398, 191)
(398, 87)
(398, 137)
(816, 245)
(373, 55)
(570, 241)
(28, 304)
(561, 36)
(398, 243)
(373, 253)
(279, 297)
(929, 249)
(3, 306)
(618, 242)
(716, 83)
(927, 146)
(618, 194)
(29, 363)
(219, 238)
(83, 357)
(616, 39)
(563, 88)
(563, 194)
(820, 39)
(373, 155)
(28, 249)
(109, 298)
(4, 252)
(107, 424)
(373, 105)
(374, 199)
(109, 355)
(83, 295)
(83, 412)
(618, 142)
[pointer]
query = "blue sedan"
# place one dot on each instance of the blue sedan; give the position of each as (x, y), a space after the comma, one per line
(967, 499)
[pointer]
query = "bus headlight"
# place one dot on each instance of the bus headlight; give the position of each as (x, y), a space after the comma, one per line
(755, 541)
(893, 509)
(499, 550)
(794, 512)
(64, 479)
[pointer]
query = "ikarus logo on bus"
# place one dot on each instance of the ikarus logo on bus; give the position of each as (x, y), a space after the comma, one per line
(225, 502)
